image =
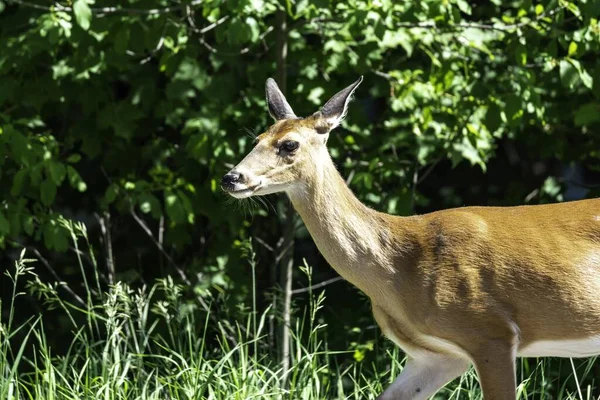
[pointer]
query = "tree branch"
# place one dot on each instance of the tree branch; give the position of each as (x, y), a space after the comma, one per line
(317, 285)
(104, 222)
(478, 25)
(490, 26)
(109, 10)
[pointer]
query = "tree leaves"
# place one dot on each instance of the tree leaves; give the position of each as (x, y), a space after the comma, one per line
(83, 14)
(57, 172)
(4, 225)
(75, 179)
(149, 204)
(19, 181)
(587, 114)
(568, 74)
(571, 73)
(47, 192)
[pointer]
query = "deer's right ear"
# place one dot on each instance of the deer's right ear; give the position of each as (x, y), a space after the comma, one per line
(279, 108)
(334, 111)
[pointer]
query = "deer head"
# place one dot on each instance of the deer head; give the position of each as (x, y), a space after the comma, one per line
(290, 151)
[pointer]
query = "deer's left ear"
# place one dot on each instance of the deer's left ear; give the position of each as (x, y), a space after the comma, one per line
(279, 108)
(334, 111)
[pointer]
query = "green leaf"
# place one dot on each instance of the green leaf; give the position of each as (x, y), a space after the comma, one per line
(74, 158)
(568, 74)
(19, 182)
(521, 54)
(585, 77)
(20, 147)
(75, 179)
(237, 31)
(539, 9)
(393, 39)
(254, 30)
(28, 224)
(57, 172)
(466, 149)
(572, 48)
(55, 236)
(4, 225)
(513, 110)
(14, 218)
(111, 193)
(83, 14)
(174, 207)
(587, 114)
(47, 192)
(121, 39)
(149, 204)
(571, 6)
(464, 6)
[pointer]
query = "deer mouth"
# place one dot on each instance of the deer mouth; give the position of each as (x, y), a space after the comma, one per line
(242, 192)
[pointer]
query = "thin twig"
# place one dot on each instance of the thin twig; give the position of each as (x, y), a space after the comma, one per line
(201, 32)
(109, 10)
(428, 171)
(146, 229)
(282, 251)
(161, 236)
(63, 284)
(104, 222)
(478, 25)
(213, 25)
(350, 177)
(433, 25)
(415, 181)
(318, 285)
(260, 38)
(156, 49)
(265, 244)
(244, 50)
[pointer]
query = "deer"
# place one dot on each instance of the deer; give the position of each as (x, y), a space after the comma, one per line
(453, 288)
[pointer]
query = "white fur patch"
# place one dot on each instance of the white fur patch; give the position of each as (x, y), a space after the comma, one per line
(444, 346)
(562, 348)
(436, 344)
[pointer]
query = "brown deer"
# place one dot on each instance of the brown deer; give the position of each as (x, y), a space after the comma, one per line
(471, 285)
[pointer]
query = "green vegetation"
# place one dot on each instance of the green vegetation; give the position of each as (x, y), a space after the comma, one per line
(123, 116)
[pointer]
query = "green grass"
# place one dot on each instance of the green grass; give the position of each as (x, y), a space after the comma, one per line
(156, 343)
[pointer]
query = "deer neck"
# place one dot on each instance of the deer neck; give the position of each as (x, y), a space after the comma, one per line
(354, 239)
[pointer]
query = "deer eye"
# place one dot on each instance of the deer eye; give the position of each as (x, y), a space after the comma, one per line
(289, 146)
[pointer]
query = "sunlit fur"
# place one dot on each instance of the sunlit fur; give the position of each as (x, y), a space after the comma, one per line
(266, 170)
(467, 285)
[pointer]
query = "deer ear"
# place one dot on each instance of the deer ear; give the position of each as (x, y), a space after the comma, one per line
(279, 108)
(334, 111)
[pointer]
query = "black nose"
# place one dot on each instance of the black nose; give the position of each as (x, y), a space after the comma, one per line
(231, 178)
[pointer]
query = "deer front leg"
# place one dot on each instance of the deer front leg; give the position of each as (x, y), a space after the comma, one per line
(423, 376)
(495, 366)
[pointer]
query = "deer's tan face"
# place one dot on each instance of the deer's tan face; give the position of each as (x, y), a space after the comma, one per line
(288, 153)
(281, 159)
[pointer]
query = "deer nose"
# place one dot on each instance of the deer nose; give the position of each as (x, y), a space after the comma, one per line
(231, 178)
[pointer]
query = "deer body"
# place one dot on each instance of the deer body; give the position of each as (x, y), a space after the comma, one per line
(477, 285)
